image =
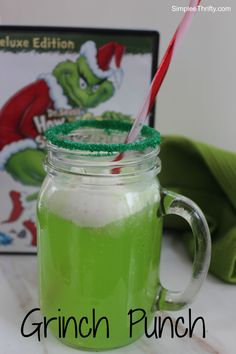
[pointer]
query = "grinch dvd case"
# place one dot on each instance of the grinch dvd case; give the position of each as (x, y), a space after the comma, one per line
(45, 81)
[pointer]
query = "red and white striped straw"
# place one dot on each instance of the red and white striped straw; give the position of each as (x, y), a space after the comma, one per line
(158, 79)
(161, 73)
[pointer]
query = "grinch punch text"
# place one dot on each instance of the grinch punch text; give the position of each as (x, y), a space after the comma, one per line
(83, 327)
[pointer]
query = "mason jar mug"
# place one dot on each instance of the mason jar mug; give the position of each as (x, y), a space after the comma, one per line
(99, 221)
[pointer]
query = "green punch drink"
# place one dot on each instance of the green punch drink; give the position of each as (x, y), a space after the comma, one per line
(99, 222)
(110, 268)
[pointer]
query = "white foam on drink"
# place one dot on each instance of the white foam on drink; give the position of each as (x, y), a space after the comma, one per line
(97, 208)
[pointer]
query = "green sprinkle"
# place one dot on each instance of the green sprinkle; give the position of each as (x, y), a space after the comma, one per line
(151, 137)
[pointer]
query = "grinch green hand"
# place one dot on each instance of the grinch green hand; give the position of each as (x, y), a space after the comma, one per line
(27, 167)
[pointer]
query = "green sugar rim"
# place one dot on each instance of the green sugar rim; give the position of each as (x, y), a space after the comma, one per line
(152, 136)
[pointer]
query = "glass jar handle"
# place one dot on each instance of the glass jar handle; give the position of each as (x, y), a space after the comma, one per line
(172, 203)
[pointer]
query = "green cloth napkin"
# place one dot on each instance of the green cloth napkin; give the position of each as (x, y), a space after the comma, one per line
(207, 175)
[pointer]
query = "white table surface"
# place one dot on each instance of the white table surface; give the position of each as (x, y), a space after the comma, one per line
(216, 303)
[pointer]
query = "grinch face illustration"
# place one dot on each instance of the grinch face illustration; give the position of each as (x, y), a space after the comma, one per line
(84, 83)
(90, 80)
(81, 86)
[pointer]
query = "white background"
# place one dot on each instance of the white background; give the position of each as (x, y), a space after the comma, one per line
(198, 96)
